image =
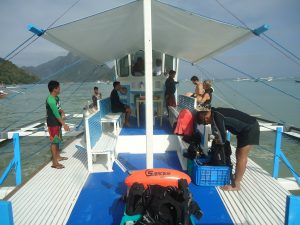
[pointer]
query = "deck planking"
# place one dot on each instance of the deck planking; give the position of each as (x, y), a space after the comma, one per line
(262, 199)
(49, 197)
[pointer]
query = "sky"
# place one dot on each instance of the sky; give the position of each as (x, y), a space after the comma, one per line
(254, 56)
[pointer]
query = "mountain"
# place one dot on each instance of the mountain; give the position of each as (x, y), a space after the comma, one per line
(11, 74)
(71, 68)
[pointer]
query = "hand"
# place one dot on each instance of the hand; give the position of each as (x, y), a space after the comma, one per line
(66, 127)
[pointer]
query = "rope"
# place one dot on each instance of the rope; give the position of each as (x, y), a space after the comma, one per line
(64, 13)
(278, 49)
(219, 89)
(5, 58)
(41, 81)
(254, 78)
(270, 39)
(68, 97)
(253, 102)
(23, 48)
(277, 43)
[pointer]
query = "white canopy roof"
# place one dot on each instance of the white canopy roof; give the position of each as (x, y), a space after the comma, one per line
(117, 32)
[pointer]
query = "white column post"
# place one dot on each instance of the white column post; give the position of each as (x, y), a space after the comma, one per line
(148, 82)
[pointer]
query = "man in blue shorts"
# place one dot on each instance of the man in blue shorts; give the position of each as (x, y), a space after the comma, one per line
(244, 126)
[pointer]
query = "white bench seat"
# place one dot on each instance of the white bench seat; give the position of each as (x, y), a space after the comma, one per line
(104, 106)
(105, 146)
(115, 118)
(99, 142)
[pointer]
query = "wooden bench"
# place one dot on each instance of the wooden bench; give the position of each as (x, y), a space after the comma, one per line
(107, 116)
(99, 143)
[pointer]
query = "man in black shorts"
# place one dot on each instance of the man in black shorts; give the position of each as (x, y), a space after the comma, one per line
(244, 126)
(117, 105)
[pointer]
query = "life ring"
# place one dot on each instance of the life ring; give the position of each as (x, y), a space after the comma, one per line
(159, 176)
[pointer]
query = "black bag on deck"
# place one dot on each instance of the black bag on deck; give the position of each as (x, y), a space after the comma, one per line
(134, 200)
(220, 154)
(194, 151)
(168, 205)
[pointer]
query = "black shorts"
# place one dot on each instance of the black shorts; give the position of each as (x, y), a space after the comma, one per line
(249, 137)
(119, 109)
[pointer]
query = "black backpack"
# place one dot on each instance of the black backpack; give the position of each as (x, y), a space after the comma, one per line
(194, 151)
(134, 200)
(162, 205)
(220, 154)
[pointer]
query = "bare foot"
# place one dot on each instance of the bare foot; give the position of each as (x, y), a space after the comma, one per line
(58, 166)
(231, 188)
(127, 124)
(62, 158)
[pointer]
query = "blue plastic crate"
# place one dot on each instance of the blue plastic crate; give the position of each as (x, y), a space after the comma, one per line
(210, 175)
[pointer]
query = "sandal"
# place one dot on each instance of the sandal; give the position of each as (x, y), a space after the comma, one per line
(58, 166)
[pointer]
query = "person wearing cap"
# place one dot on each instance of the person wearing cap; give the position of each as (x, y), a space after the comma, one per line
(244, 126)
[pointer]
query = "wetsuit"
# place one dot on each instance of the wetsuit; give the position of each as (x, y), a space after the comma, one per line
(244, 126)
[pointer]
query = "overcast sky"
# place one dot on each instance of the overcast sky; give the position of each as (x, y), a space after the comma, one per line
(254, 56)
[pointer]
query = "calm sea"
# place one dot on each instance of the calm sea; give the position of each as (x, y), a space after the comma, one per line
(254, 98)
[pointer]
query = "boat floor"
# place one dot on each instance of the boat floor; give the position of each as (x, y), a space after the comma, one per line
(72, 196)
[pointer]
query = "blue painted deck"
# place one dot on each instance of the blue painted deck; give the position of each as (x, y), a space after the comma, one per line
(99, 201)
(157, 130)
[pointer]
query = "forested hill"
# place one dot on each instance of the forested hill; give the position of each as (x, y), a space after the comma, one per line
(71, 68)
(11, 74)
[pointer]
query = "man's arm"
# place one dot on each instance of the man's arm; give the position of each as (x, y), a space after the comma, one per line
(56, 112)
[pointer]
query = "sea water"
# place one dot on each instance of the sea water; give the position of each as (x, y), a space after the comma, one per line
(275, 100)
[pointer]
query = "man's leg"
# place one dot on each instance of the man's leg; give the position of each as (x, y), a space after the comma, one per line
(127, 116)
(55, 155)
(241, 163)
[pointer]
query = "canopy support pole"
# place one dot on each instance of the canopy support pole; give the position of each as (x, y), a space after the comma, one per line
(148, 82)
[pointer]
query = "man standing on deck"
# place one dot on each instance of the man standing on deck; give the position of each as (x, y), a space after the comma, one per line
(170, 89)
(244, 126)
(96, 96)
(55, 120)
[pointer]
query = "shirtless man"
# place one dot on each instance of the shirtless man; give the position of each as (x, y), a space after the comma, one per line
(199, 90)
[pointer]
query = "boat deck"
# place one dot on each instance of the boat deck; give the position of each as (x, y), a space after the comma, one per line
(261, 201)
(49, 197)
(72, 196)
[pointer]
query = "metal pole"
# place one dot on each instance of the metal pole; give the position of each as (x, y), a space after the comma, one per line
(17, 158)
(148, 82)
(6, 215)
(292, 216)
(277, 152)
